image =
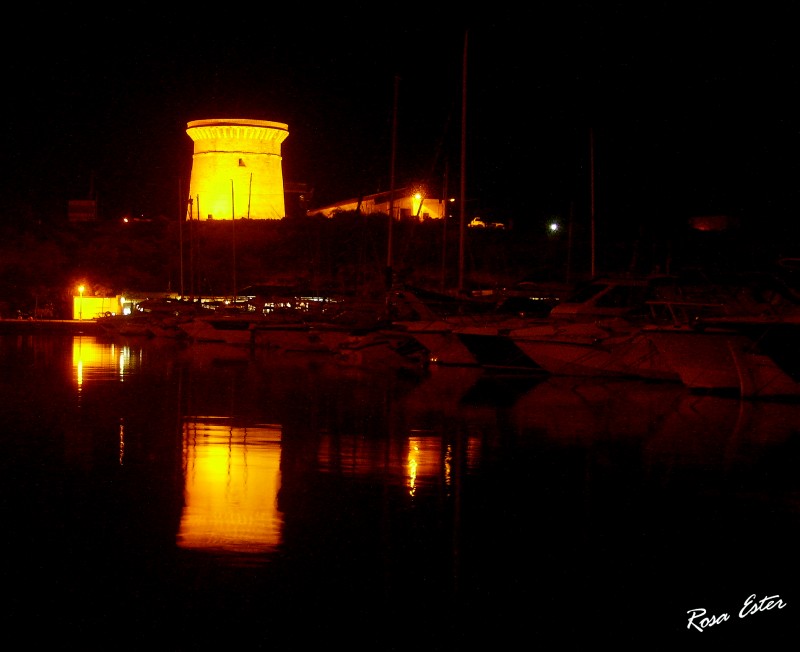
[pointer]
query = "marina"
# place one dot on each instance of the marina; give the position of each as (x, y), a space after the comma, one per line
(709, 338)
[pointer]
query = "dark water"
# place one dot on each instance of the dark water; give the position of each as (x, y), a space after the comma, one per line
(183, 497)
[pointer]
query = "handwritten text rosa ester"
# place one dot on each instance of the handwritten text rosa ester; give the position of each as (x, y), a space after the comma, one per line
(699, 621)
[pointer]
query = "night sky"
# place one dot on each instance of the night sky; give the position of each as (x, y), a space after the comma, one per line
(693, 109)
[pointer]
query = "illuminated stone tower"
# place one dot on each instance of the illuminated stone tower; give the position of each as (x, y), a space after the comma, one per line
(237, 169)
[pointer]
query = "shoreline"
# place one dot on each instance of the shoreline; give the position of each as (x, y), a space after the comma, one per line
(49, 326)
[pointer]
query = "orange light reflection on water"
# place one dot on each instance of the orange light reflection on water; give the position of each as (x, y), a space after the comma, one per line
(424, 459)
(102, 360)
(424, 462)
(232, 478)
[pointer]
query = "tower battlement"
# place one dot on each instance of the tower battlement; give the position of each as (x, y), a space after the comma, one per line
(237, 169)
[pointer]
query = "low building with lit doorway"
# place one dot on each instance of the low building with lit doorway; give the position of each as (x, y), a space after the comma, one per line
(90, 307)
(404, 204)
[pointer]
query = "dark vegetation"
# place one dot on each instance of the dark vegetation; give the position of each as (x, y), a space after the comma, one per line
(42, 265)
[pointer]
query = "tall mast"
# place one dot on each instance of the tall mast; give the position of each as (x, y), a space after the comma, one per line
(192, 244)
(181, 218)
(591, 183)
(233, 241)
(197, 255)
(462, 201)
(389, 245)
(249, 195)
(443, 202)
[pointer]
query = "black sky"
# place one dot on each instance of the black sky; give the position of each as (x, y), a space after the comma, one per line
(693, 108)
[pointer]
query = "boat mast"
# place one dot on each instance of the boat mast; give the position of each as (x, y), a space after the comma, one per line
(192, 238)
(181, 218)
(462, 199)
(249, 195)
(443, 203)
(233, 241)
(389, 245)
(198, 268)
(591, 184)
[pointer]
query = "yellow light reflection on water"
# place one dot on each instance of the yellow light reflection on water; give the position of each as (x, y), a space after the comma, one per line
(101, 360)
(412, 468)
(121, 442)
(424, 462)
(232, 478)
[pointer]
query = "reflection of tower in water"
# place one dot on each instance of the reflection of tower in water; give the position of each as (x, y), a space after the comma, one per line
(232, 478)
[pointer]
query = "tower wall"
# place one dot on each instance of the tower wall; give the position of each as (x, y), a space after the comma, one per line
(237, 169)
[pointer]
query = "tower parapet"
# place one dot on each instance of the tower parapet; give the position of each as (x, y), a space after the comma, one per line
(237, 169)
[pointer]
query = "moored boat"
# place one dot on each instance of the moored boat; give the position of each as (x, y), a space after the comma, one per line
(722, 361)
(382, 350)
(615, 347)
(300, 337)
(142, 325)
(228, 329)
(777, 335)
(710, 342)
(438, 330)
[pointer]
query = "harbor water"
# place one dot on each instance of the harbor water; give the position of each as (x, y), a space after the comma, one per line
(180, 495)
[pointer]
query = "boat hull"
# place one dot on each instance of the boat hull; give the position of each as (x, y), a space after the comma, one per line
(591, 350)
(723, 361)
